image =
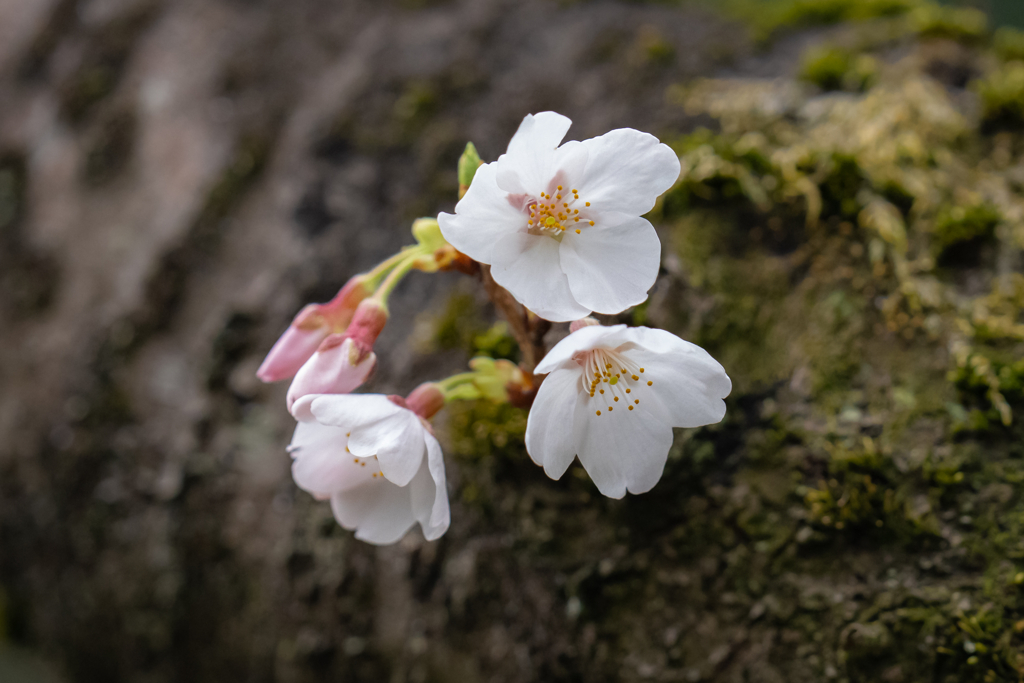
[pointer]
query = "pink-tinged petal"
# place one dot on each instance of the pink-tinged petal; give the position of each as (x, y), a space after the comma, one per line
(627, 171)
(688, 384)
(527, 266)
(562, 166)
(290, 352)
(584, 339)
(611, 268)
(334, 369)
(532, 148)
(482, 217)
(380, 513)
(321, 465)
(429, 494)
(548, 436)
(621, 449)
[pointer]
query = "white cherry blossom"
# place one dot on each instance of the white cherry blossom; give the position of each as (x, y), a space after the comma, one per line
(376, 460)
(560, 226)
(613, 395)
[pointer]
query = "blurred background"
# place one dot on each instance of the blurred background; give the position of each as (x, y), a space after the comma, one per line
(178, 177)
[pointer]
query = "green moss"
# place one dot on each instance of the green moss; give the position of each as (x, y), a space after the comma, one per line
(1008, 44)
(960, 224)
(833, 68)
(961, 24)
(481, 429)
(1002, 97)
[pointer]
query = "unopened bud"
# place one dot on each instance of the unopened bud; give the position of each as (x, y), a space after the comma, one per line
(368, 321)
(426, 400)
(581, 323)
(428, 233)
(339, 366)
(494, 377)
(310, 328)
(468, 163)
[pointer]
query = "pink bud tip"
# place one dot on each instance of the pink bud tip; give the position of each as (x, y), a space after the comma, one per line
(426, 400)
(294, 348)
(581, 323)
(368, 322)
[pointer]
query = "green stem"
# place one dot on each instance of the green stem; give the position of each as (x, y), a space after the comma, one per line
(396, 275)
(454, 380)
(382, 269)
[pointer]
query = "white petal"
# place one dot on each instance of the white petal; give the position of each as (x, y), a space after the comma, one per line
(429, 494)
(627, 171)
(397, 443)
(380, 513)
(321, 465)
(583, 339)
(527, 266)
(688, 384)
(532, 148)
(352, 410)
(378, 427)
(548, 427)
(612, 268)
(620, 449)
(482, 217)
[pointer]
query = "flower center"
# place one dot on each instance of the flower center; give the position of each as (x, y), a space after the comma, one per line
(556, 212)
(612, 380)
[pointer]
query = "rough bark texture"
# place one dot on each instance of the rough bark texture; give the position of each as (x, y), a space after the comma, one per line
(177, 178)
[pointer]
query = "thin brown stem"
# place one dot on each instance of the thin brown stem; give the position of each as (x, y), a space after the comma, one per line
(528, 330)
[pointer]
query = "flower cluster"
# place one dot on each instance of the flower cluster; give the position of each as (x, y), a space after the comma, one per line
(555, 231)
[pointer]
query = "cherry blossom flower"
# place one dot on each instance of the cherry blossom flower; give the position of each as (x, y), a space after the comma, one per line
(613, 396)
(376, 460)
(343, 361)
(560, 226)
(310, 328)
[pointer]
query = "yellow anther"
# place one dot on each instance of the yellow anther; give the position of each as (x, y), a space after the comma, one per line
(587, 204)
(610, 409)
(631, 407)
(637, 401)
(575, 191)
(577, 231)
(616, 399)
(636, 377)
(650, 383)
(602, 391)
(599, 412)
(641, 369)
(629, 391)
(559, 187)
(591, 222)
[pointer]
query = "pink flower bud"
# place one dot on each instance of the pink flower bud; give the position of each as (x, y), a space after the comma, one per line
(426, 400)
(310, 328)
(339, 366)
(295, 346)
(581, 323)
(367, 322)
